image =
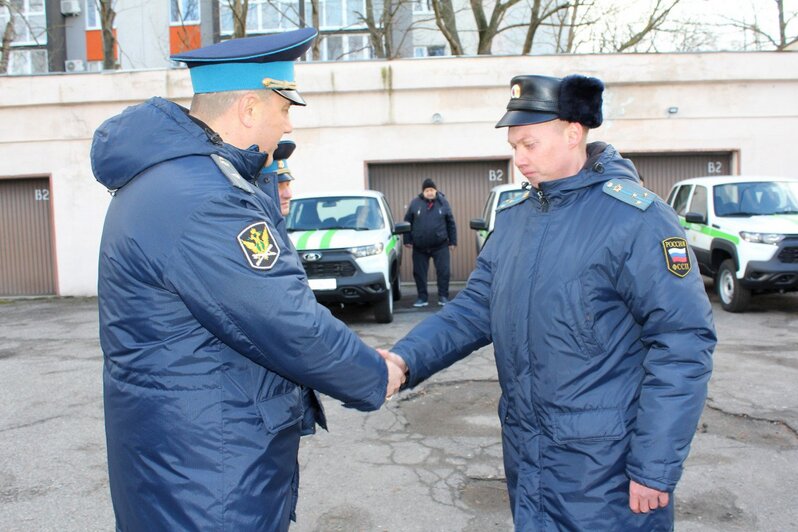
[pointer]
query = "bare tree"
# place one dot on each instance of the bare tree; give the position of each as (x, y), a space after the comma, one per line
(8, 37)
(107, 12)
(540, 12)
(656, 19)
(633, 37)
(488, 29)
(764, 38)
(239, 10)
(445, 19)
(315, 21)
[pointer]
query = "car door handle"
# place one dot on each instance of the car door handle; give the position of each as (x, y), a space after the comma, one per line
(716, 226)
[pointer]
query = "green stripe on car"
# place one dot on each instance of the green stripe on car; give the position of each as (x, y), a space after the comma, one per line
(302, 243)
(709, 231)
(391, 244)
(325, 240)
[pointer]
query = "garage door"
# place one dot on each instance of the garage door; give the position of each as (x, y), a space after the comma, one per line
(26, 247)
(661, 170)
(466, 185)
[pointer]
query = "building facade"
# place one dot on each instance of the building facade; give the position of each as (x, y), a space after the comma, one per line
(388, 125)
(66, 35)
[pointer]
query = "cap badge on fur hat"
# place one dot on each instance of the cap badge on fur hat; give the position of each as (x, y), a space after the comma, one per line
(537, 99)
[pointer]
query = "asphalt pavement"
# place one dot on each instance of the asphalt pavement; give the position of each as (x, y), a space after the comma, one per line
(429, 460)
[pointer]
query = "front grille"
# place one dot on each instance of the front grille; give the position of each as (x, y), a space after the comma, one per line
(789, 255)
(317, 270)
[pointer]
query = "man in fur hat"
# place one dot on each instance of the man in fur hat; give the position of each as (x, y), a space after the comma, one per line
(601, 326)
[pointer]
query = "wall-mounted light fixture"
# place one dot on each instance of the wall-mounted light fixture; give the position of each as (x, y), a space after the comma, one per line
(437, 118)
(673, 110)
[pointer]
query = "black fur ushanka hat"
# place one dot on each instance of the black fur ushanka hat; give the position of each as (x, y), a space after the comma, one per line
(537, 99)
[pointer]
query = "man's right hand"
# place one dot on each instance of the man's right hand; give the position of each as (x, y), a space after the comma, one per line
(397, 372)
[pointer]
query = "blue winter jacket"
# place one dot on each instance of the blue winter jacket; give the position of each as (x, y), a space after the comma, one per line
(210, 348)
(603, 353)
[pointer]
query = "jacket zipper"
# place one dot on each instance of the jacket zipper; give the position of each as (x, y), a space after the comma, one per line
(544, 201)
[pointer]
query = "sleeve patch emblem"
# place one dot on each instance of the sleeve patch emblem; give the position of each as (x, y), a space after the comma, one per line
(259, 247)
(677, 257)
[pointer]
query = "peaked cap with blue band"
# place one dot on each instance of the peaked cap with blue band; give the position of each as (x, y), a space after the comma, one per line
(284, 150)
(250, 63)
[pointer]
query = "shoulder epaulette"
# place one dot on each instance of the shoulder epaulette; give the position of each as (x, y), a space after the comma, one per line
(232, 174)
(629, 192)
(513, 202)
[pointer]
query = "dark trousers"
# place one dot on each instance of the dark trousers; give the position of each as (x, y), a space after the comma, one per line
(421, 259)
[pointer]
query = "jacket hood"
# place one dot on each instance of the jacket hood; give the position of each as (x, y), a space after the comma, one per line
(155, 131)
(603, 162)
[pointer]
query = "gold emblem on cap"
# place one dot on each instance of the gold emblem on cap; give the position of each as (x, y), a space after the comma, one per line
(280, 164)
(516, 91)
(270, 83)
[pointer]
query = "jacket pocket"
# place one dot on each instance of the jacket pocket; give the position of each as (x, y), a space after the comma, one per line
(582, 320)
(281, 411)
(601, 424)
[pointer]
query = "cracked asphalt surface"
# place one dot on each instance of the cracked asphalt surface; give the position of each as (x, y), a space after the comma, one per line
(429, 460)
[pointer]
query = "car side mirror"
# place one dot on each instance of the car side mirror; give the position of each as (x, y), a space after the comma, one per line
(695, 218)
(401, 227)
(478, 224)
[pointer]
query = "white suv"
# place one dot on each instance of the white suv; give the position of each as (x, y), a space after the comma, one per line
(744, 232)
(499, 195)
(350, 248)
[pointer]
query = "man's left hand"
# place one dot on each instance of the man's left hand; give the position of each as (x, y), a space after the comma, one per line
(644, 500)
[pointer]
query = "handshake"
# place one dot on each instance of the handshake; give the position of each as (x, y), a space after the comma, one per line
(397, 372)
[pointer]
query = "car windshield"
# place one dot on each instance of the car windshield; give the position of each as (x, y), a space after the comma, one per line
(508, 196)
(358, 213)
(756, 198)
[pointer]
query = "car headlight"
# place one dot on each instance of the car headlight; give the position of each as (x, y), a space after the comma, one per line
(762, 238)
(365, 251)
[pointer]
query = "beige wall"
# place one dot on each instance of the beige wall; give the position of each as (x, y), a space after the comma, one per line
(373, 111)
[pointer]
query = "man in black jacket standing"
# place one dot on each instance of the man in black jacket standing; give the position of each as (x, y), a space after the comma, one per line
(433, 234)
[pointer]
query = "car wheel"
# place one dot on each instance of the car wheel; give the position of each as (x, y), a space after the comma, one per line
(733, 296)
(383, 310)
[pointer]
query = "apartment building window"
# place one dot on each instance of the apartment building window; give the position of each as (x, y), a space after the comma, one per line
(337, 14)
(345, 47)
(23, 62)
(263, 16)
(422, 6)
(30, 22)
(184, 12)
(28, 54)
(429, 51)
(92, 16)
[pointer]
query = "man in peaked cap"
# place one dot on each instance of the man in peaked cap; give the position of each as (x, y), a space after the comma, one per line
(213, 342)
(603, 339)
(278, 174)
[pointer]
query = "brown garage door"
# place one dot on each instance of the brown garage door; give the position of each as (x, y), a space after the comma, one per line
(661, 170)
(466, 185)
(26, 247)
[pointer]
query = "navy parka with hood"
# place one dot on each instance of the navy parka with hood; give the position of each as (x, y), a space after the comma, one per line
(208, 361)
(603, 354)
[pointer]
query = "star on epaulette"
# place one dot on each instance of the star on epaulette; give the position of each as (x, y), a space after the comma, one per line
(629, 192)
